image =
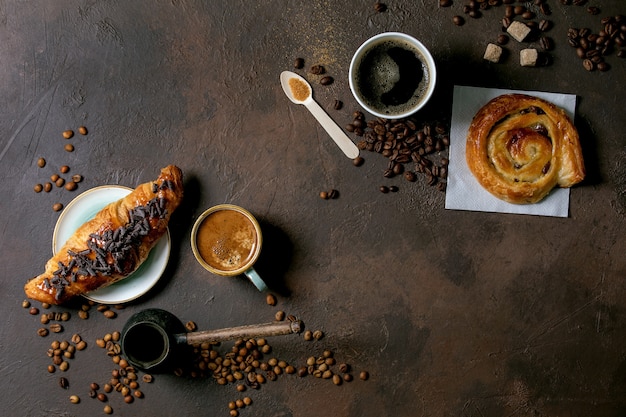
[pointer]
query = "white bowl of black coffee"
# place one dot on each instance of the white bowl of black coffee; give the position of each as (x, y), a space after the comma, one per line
(392, 75)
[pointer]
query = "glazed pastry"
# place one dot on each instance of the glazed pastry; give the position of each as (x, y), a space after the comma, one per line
(113, 244)
(520, 147)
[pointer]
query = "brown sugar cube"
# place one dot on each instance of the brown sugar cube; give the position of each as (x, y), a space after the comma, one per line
(493, 53)
(528, 57)
(518, 30)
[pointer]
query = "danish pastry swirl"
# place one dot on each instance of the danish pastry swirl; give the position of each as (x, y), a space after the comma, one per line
(520, 147)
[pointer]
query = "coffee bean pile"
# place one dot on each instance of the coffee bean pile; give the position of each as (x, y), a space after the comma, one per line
(405, 143)
(70, 184)
(592, 48)
(124, 377)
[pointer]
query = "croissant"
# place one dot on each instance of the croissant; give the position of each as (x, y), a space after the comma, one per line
(113, 244)
(520, 147)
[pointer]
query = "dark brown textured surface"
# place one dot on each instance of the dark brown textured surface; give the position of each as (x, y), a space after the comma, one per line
(452, 313)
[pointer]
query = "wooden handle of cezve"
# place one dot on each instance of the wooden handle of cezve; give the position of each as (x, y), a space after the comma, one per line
(276, 328)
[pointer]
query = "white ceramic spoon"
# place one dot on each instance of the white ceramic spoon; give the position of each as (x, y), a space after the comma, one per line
(336, 133)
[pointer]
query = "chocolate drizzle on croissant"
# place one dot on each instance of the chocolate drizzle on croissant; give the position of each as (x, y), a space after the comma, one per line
(113, 244)
(520, 147)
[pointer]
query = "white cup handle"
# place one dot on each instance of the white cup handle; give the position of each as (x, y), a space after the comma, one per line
(256, 279)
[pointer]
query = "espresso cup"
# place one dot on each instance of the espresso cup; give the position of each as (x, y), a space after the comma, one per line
(392, 75)
(226, 240)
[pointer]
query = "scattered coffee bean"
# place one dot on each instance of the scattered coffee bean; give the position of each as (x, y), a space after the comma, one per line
(279, 316)
(333, 194)
(318, 69)
(64, 383)
(337, 105)
(592, 10)
(502, 39)
(107, 409)
(59, 182)
(69, 147)
(270, 299)
(56, 328)
(364, 375)
(74, 399)
(41, 162)
(147, 378)
(445, 3)
(47, 187)
(383, 189)
(588, 65)
(324, 195)
(380, 7)
(358, 161)
(43, 332)
(57, 207)
(64, 169)
(71, 186)
(327, 80)
(458, 20)
(109, 314)
(68, 134)
(34, 311)
(82, 130)
(38, 188)
(54, 177)
(77, 178)
(393, 189)
(318, 334)
(298, 63)
(191, 326)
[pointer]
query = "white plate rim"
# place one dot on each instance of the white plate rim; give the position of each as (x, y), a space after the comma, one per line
(138, 283)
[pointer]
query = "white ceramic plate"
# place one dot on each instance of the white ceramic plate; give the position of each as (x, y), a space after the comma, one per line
(84, 208)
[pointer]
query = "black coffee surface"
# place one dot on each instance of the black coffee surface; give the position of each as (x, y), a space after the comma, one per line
(410, 76)
(392, 77)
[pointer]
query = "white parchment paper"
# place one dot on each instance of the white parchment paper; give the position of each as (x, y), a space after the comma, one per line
(463, 191)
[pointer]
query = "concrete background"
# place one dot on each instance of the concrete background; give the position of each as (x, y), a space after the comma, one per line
(451, 313)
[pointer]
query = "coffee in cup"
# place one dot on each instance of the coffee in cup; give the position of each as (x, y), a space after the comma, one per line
(226, 240)
(392, 75)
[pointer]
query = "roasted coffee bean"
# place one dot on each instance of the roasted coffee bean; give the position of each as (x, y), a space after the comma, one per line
(380, 7)
(337, 105)
(107, 409)
(528, 15)
(82, 130)
(110, 314)
(393, 189)
(43, 332)
(364, 375)
(33, 311)
(458, 20)
(545, 25)
(191, 326)
(333, 194)
(74, 399)
(69, 147)
(41, 162)
(593, 10)
(270, 299)
(318, 69)
(603, 66)
(38, 188)
(358, 161)
(47, 187)
(64, 383)
(318, 334)
(64, 169)
(445, 3)
(68, 134)
(59, 182)
(298, 63)
(327, 80)
(546, 43)
(324, 195)
(588, 65)
(502, 39)
(77, 178)
(383, 189)
(71, 186)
